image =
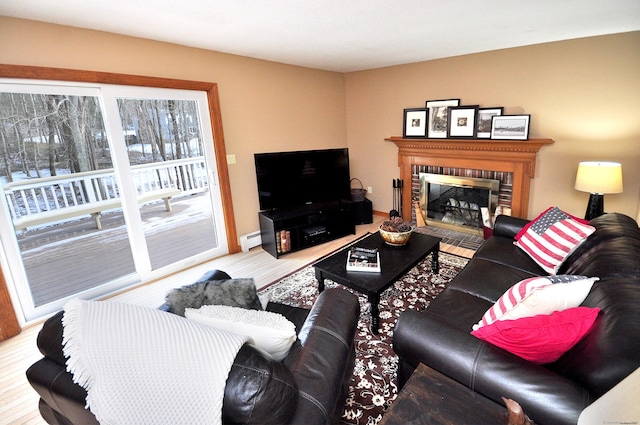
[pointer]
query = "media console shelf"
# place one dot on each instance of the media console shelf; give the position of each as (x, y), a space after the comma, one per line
(292, 229)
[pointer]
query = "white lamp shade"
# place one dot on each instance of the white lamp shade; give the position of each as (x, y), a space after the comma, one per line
(599, 177)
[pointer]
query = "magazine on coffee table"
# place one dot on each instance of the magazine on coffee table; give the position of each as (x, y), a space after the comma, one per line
(363, 260)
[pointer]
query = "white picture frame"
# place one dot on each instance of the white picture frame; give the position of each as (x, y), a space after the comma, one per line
(438, 112)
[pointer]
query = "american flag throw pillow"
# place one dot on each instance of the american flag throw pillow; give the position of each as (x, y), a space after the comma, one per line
(552, 237)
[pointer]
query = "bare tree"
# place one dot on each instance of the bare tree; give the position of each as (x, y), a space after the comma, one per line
(19, 121)
(41, 131)
(51, 127)
(155, 128)
(4, 151)
(174, 129)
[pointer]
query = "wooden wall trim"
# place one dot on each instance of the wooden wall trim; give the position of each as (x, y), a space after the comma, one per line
(9, 325)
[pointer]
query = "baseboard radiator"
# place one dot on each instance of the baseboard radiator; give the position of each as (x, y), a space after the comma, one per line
(250, 240)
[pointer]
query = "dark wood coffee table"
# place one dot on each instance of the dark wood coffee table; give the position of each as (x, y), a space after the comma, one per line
(395, 261)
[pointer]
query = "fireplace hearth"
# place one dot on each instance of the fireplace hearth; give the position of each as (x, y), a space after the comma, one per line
(457, 200)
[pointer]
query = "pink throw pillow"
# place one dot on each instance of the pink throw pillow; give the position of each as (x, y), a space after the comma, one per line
(538, 295)
(543, 338)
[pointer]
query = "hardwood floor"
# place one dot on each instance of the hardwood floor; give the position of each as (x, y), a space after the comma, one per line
(19, 402)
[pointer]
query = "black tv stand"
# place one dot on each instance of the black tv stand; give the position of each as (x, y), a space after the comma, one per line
(292, 229)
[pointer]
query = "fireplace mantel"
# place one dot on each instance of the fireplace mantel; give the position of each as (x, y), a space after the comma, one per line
(514, 156)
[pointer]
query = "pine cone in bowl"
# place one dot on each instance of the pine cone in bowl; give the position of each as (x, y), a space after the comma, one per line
(396, 231)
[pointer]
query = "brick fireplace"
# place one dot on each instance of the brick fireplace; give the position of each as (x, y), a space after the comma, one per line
(512, 162)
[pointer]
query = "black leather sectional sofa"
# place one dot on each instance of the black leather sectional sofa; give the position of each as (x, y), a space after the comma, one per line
(259, 389)
(550, 394)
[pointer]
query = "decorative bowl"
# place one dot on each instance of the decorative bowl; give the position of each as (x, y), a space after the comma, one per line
(396, 238)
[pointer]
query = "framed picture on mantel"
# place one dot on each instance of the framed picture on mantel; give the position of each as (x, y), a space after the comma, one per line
(462, 122)
(484, 121)
(415, 123)
(513, 127)
(438, 111)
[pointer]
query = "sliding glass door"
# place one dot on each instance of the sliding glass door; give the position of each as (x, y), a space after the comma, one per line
(103, 187)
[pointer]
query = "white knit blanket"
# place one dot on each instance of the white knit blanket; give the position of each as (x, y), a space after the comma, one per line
(144, 366)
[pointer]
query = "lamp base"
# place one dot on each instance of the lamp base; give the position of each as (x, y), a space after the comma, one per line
(595, 208)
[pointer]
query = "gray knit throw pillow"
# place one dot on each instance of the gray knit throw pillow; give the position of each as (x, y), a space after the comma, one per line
(231, 292)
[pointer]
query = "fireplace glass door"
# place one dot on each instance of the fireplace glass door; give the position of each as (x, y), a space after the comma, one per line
(457, 201)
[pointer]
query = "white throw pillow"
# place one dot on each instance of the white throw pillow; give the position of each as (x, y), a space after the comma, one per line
(538, 295)
(271, 332)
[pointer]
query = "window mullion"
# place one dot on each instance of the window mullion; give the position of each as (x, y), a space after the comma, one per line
(123, 174)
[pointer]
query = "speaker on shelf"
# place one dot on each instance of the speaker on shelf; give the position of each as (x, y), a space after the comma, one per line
(363, 212)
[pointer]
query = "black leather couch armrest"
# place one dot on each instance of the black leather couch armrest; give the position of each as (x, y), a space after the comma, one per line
(323, 362)
(62, 401)
(508, 226)
(488, 370)
(49, 339)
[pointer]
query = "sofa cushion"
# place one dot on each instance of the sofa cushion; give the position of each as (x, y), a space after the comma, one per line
(504, 252)
(552, 237)
(271, 332)
(542, 338)
(474, 278)
(259, 390)
(231, 292)
(538, 295)
(611, 351)
(612, 251)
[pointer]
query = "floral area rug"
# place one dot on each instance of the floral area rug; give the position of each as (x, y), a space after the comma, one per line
(374, 384)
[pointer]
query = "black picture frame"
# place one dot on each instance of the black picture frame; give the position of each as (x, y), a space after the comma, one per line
(438, 112)
(414, 123)
(510, 127)
(461, 122)
(483, 122)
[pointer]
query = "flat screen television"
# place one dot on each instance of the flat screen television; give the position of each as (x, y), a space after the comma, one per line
(295, 179)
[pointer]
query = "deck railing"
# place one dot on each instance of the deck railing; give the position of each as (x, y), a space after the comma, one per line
(36, 196)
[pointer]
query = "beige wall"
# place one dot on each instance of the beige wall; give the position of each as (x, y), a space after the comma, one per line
(582, 93)
(265, 106)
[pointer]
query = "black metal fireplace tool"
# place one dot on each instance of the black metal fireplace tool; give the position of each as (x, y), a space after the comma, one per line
(398, 188)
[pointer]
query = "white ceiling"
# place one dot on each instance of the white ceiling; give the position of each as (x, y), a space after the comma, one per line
(341, 35)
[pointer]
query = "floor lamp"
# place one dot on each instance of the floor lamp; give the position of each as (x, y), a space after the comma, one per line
(598, 178)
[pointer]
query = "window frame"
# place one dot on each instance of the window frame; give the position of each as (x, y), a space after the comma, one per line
(72, 75)
(9, 322)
